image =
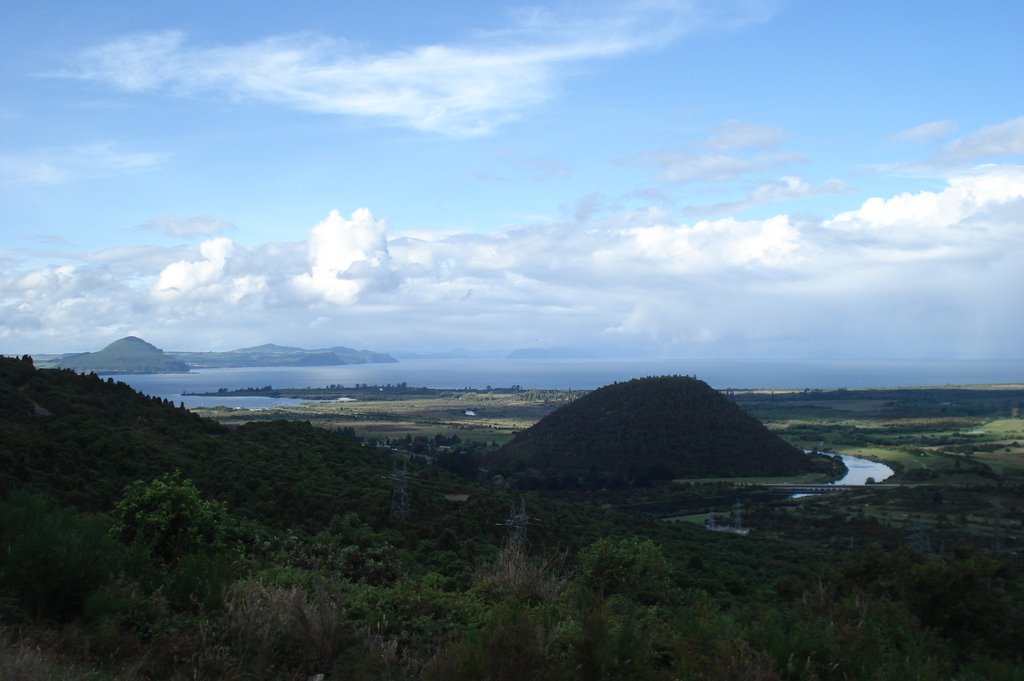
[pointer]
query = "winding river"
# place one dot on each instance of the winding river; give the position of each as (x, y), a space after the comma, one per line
(860, 470)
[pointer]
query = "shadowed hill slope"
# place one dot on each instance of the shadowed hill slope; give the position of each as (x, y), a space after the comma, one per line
(80, 440)
(642, 430)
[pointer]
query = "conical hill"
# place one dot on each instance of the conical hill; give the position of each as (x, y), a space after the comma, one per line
(644, 430)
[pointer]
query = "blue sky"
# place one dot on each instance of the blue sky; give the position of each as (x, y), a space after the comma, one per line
(707, 179)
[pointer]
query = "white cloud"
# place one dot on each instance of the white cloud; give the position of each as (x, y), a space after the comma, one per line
(345, 257)
(207, 280)
(926, 131)
(713, 245)
(182, 277)
(1002, 139)
(181, 226)
(896, 276)
(463, 89)
(785, 188)
(58, 165)
(964, 196)
(52, 304)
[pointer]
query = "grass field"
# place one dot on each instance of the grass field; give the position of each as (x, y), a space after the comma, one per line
(472, 415)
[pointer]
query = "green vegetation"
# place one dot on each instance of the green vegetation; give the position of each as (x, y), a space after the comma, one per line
(925, 434)
(140, 541)
(645, 430)
(128, 355)
(168, 518)
(393, 414)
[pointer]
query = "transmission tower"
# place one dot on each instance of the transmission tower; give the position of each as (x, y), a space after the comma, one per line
(918, 538)
(399, 501)
(516, 524)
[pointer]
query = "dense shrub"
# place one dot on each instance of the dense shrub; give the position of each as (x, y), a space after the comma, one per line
(168, 516)
(51, 559)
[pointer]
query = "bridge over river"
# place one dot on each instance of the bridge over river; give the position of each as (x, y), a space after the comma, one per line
(807, 488)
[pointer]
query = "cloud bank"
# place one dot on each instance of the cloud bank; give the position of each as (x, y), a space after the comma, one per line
(926, 274)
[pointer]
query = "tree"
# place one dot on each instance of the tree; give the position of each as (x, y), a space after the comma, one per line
(168, 516)
(633, 567)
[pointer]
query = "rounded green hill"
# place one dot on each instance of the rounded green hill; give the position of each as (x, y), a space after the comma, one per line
(645, 430)
(129, 355)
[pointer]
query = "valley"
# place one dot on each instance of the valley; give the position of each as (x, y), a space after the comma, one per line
(398, 536)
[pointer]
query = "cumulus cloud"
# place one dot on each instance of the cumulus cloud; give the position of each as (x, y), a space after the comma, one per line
(346, 257)
(207, 279)
(186, 227)
(711, 245)
(895, 276)
(929, 211)
(50, 305)
(461, 89)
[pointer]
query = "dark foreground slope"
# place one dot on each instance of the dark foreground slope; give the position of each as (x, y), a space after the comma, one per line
(307, 575)
(648, 429)
(80, 439)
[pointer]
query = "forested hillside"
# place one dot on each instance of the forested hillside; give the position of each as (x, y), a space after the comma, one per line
(138, 541)
(644, 430)
(80, 439)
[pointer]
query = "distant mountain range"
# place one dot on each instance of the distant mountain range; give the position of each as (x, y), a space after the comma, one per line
(133, 355)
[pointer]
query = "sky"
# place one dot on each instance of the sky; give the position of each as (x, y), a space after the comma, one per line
(704, 178)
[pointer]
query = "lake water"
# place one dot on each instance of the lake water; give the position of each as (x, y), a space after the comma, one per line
(576, 374)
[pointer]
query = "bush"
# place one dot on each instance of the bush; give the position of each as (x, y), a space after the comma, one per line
(50, 559)
(274, 628)
(632, 567)
(168, 516)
